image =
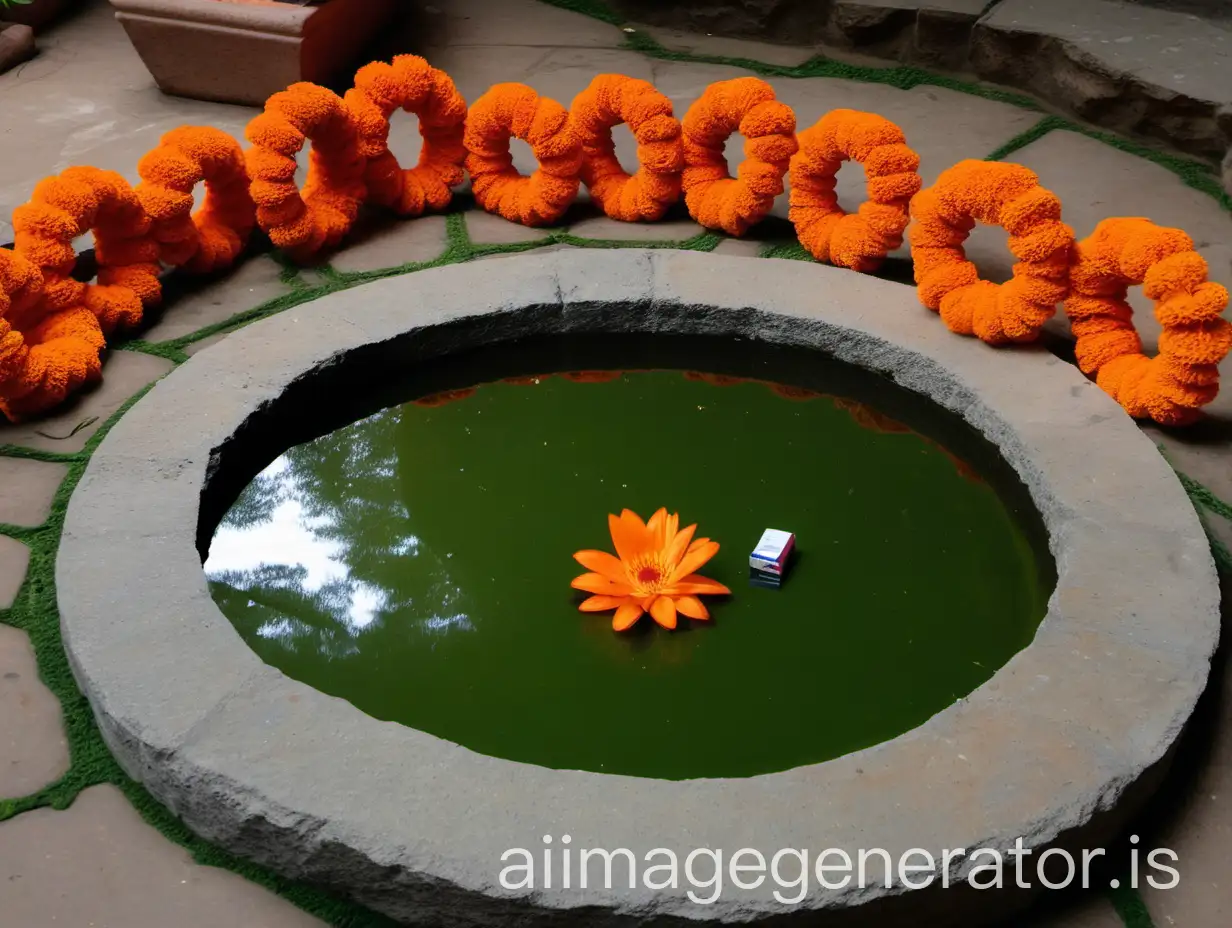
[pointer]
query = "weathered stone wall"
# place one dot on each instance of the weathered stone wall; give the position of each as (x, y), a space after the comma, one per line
(1156, 69)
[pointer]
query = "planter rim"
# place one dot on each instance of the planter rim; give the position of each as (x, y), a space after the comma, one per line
(289, 20)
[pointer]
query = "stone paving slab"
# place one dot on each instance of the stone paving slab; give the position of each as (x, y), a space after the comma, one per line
(667, 230)
(487, 229)
(33, 749)
(696, 43)
(191, 303)
(1131, 68)
(14, 559)
(98, 864)
(27, 488)
(738, 248)
(508, 23)
(384, 241)
(70, 427)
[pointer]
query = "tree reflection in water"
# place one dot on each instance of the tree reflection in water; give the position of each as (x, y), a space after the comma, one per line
(312, 558)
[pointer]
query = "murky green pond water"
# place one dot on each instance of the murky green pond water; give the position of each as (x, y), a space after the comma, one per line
(417, 563)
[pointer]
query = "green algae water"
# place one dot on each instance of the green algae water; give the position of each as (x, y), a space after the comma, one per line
(417, 562)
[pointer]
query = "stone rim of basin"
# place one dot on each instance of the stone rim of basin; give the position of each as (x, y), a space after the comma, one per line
(1060, 747)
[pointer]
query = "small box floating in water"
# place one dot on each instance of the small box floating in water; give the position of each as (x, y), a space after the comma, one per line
(768, 562)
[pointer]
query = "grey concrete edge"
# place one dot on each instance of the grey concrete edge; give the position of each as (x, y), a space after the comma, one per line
(1057, 747)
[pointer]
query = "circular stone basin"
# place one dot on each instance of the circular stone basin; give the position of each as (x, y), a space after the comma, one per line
(1060, 747)
(417, 562)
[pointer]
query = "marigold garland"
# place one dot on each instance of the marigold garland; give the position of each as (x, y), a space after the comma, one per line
(412, 84)
(213, 238)
(76, 201)
(304, 223)
(44, 357)
(861, 240)
(612, 99)
(1008, 195)
(1171, 387)
(515, 111)
(745, 105)
(52, 327)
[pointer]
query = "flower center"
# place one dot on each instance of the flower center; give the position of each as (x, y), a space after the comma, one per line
(649, 575)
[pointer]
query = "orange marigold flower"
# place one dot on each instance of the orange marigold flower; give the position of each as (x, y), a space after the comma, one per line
(612, 99)
(409, 83)
(653, 571)
(1172, 387)
(745, 105)
(304, 224)
(862, 240)
(80, 200)
(515, 111)
(44, 356)
(213, 237)
(1001, 194)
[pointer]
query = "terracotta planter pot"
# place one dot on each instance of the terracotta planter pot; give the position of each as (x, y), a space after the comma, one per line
(16, 45)
(37, 15)
(241, 53)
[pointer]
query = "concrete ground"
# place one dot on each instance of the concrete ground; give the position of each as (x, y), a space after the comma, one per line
(87, 99)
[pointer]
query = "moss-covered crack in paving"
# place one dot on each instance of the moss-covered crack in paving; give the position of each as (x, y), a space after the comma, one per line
(35, 608)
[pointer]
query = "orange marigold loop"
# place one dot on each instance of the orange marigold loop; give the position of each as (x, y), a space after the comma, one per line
(515, 111)
(1008, 195)
(861, 240)
(612, 99)
(745, 105)
(76, 201)
(414, 85)
(43, 358)
(213, 238)
(304, 223)
(1172, 387)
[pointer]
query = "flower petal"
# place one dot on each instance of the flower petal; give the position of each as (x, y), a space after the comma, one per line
(695, 584)
(692, 607)
(628, 534)
(626, 615)
(657, 528)
(663, 611)
(602, 603)
(694, 559)
(697, 543)
(677, 546)
(601, 563)
(597, 583)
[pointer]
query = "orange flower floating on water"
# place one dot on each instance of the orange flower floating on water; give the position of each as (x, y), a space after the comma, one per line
(652, 572)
